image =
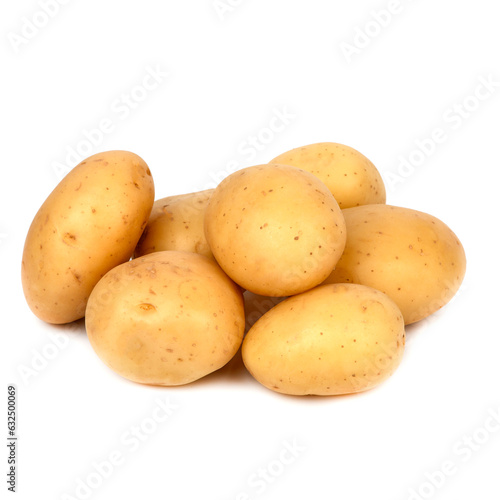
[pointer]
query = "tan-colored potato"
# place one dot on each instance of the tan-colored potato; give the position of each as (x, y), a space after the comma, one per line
(275, 230)
(176, 223)
(333, 339)
(167, 318)
(351, 177)
(89, 224)
(411, 256)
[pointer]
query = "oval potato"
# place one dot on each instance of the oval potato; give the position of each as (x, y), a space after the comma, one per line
(89, 224)
(411, 256)
(176, 223)
(275, 230)
(167, 318)
(333, 339)
(350, 176)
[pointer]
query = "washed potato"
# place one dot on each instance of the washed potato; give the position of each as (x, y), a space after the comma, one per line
(333, 339)
(176, 223)
(351, 177)
(411, 256)
(275, 230)
(167, 318)
(89, 224)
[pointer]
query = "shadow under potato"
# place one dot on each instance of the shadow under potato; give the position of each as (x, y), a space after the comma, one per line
(77, 327)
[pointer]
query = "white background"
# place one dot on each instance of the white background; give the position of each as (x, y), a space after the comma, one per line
(229, 73)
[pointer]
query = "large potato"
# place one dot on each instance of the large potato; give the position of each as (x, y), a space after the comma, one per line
(333, 339)
(176, 223)
(167, 318)
(89, 224)
(411, 256)
(351, 177)
(275, 230)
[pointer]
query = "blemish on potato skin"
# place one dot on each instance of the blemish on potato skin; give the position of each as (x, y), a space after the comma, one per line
(77, 277)
(147, 307)
(69, 239)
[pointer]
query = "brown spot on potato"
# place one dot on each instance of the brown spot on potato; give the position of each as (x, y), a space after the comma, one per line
(147, 307)
(69, 239)
(77, 277)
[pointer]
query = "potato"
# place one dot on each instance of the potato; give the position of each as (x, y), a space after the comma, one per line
(333, 339)
(351, 177)
(411, 256)
(167, 318)
(89, 224)
(275, 230)
(176, 223)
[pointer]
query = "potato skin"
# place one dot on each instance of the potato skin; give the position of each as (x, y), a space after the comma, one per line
(167, 318)
(331, 340)
(275, 230)
(350, 176)
(411, 256)
(176, 223)
(90, 223)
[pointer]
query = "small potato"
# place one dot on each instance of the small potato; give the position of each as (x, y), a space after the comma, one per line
(333, 339)
(176, 223)
(275, 230)
(89, 224)
(350, 176)
(411, 256)
(167, 318)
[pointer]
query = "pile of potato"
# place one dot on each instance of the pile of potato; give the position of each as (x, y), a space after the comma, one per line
(299, 262)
